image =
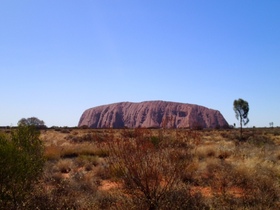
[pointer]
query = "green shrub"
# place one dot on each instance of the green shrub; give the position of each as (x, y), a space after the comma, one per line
(260, 140)
(21, 163)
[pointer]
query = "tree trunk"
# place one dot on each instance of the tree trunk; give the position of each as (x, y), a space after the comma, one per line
(240, 128)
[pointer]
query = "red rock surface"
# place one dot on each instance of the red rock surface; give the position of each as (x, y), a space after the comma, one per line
(152, 114)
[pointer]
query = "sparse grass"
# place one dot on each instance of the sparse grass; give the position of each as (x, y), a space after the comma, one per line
(53, 152)
(207, 151)
(64, 166)
(215, 169)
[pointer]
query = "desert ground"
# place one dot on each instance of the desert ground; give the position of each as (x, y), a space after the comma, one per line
(159, 169)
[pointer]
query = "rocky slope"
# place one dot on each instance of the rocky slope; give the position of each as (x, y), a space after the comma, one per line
(152, 114)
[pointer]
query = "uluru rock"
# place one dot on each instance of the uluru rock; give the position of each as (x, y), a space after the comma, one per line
(152, 114)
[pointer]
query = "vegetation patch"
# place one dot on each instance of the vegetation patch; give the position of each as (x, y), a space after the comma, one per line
(142, 169)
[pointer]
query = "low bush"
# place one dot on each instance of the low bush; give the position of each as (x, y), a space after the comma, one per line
(21, 165)
(150, 173)
(259, 140)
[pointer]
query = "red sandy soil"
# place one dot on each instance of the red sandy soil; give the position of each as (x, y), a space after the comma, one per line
(205, 191)
(208, 192)
(109, 185)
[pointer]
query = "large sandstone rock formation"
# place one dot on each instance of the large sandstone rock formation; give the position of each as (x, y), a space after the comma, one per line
(152, 114)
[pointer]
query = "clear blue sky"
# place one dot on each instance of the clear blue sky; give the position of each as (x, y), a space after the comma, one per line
(60, 57)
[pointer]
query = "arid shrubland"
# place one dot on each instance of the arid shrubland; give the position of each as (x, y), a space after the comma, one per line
(155, 169)
(151, 169)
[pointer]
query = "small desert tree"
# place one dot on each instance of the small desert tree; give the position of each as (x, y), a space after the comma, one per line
(21, 163)
(31, 121)
(241, 109)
